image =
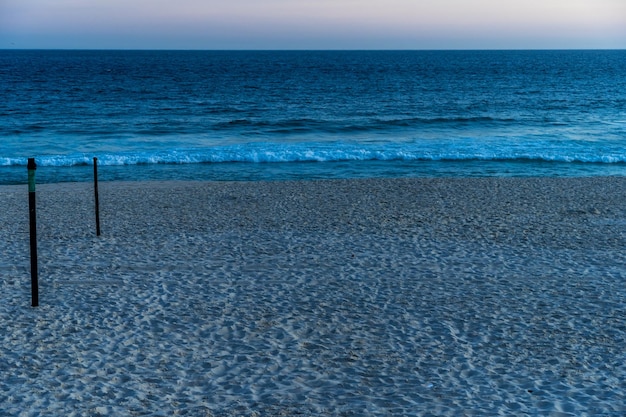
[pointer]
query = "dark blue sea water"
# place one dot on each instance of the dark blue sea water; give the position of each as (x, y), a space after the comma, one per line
(278, 115)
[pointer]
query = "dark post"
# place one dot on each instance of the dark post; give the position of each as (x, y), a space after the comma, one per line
(95, 190)
(32, 209)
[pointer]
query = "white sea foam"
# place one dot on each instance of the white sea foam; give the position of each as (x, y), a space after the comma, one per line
(459, 150)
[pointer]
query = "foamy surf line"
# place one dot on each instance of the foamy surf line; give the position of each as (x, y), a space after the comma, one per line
(604, 152)
(347, 297)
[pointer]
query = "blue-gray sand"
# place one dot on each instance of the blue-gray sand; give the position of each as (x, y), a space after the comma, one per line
(406, 297)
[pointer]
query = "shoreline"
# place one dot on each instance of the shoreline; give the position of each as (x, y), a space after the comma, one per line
(325, 297)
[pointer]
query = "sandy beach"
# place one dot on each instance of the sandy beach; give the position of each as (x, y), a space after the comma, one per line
(404, 297)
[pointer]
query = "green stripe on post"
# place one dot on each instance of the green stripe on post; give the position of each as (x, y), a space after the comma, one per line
(32, 166)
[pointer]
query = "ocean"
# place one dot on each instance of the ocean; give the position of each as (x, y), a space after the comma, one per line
(274, 115)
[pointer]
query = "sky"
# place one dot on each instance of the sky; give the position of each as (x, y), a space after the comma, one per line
(313, 24)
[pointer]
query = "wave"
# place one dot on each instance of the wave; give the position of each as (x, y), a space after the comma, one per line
(329, 152)
(346, 126)
(259, 127)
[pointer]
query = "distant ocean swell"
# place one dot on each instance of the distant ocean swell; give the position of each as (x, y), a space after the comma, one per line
(372, 124)
(245, 126)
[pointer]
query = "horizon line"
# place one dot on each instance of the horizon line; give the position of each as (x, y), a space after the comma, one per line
(309, 49)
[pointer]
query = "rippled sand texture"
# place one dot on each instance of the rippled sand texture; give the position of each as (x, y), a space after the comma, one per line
(421, 297)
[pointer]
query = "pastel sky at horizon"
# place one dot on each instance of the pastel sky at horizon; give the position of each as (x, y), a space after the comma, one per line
(313, 24)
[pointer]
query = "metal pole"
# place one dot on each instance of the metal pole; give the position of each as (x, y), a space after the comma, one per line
(32, 209)
(95, 190)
